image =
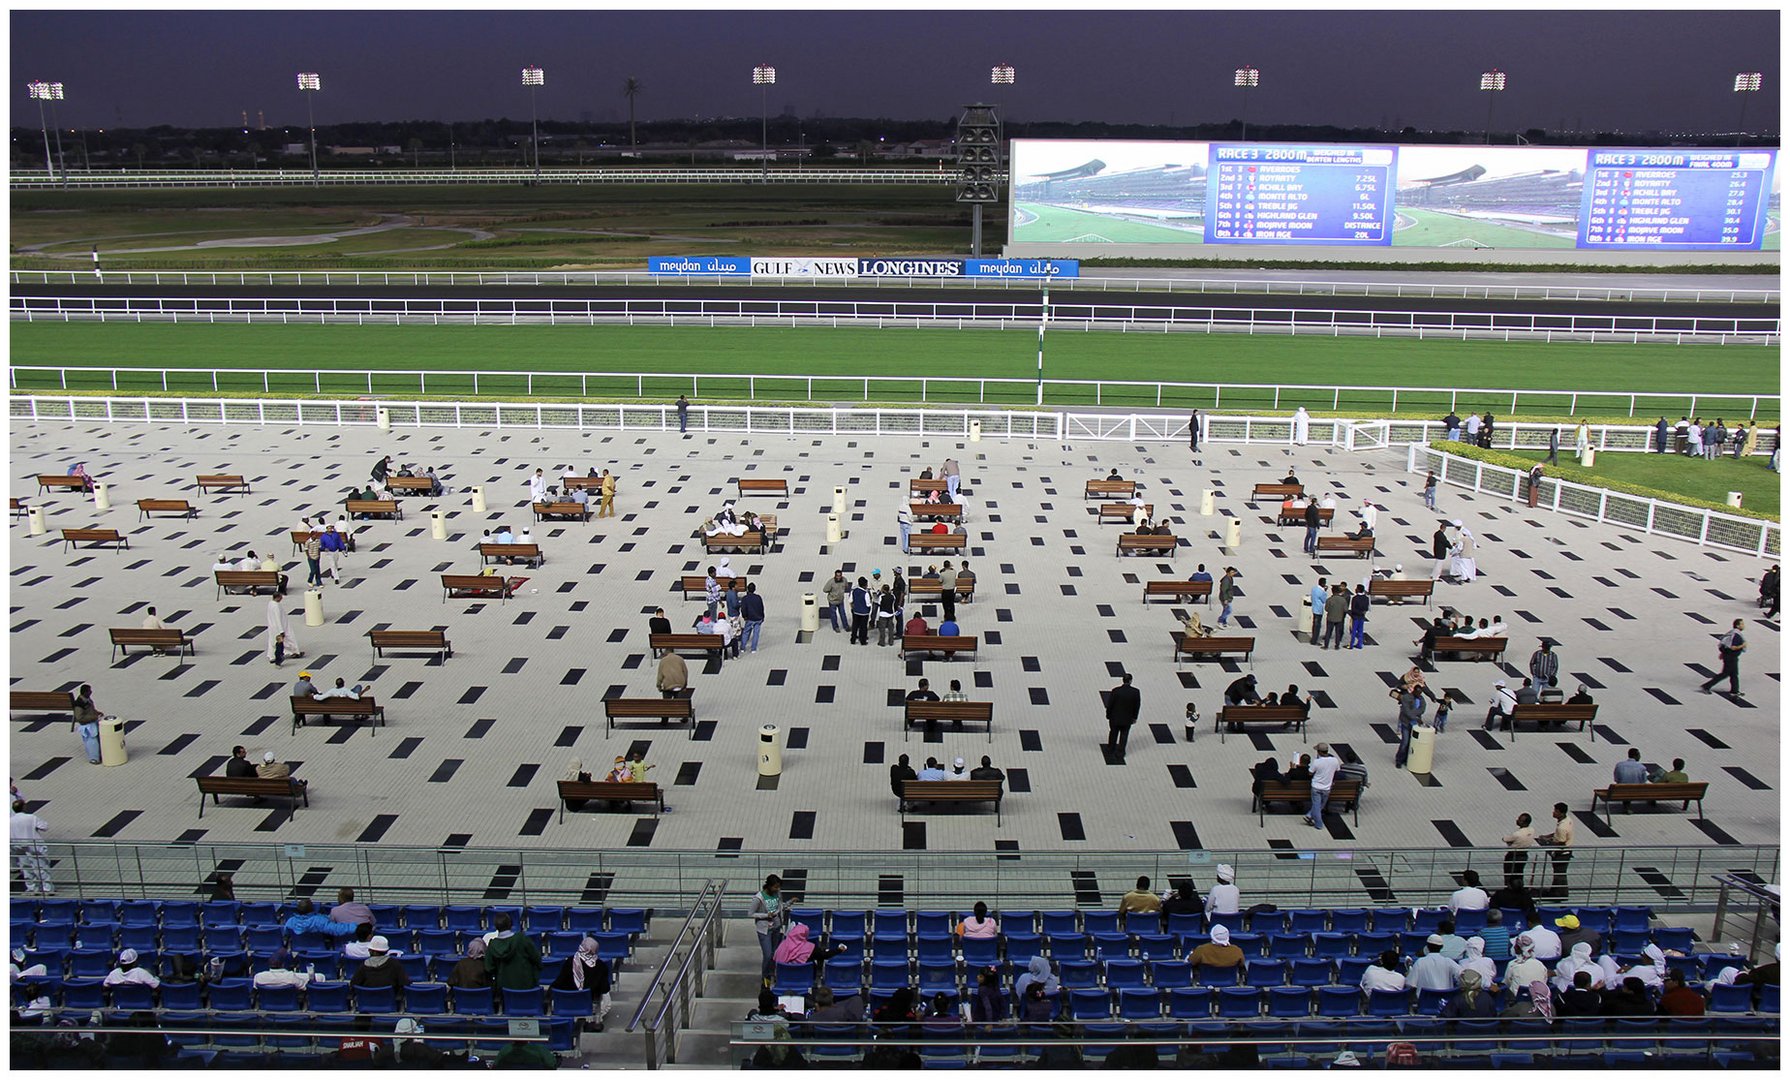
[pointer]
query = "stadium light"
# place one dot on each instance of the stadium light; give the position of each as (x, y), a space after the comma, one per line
(41, 92)
(764, 76)
(1492, 82)
(1746, 82)
(309, 83)
(534, 78)
(1248, 78)
(1002, 75)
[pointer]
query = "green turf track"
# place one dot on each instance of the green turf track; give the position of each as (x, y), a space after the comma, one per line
(839, 358)
(1707, 480)
(1431, 229)
(1055, 224)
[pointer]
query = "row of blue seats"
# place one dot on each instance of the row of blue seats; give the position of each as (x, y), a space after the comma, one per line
(329, 963)
(271, 936)
(239, 995)
(1347, 1032)
(170, 1023)
(895, 922)
(185, 913)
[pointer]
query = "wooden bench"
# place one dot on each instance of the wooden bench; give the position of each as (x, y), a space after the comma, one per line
(1124, 513)
(49, 482)
(931, 588)
(1136, 542)
(160, 640)
(1362, 547)
(976, 712)
(1485, 648)
(279, 787)
(1400, 589)
(1108, 489)
(934, 643)
(1195, 647)
(921, 487)
(581, 483)
(221, 482)
(752, 541)
(251, 580)
(958, 791)
(93, 538)
(1265, 715)
(749, 486)
(925, 541)
(495, 552)
(562, 511)
(1684, 794)
(695, 586)
(369, 507)
(45, 701)
(583, 791)
(474, 585)
(305, 707)
(1176, 590)
(1291, 516)
(660, 708)
(18, 508)
(422, 485)
(428, 640)
(936, 511)
(1282, 492)
(1556, 713)
(149, 507)
(703, 643)
(1343, 794)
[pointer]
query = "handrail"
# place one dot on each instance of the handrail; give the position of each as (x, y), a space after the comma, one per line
(661, 1044)
(671, 952)
(930, 173)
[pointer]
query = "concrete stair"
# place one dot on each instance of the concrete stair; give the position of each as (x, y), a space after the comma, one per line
(729, 992)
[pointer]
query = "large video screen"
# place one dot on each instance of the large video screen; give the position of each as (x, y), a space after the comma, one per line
(1333, 195)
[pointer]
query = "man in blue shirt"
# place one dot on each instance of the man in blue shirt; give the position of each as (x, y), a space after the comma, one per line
(1630, 770)
(1319, 593)
(948, 628)
(333, 544)
(932, 771)
(752, 612)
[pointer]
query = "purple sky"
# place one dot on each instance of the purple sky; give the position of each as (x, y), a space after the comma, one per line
(1669, 70)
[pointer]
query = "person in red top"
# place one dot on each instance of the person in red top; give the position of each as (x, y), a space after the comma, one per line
(1679, 999)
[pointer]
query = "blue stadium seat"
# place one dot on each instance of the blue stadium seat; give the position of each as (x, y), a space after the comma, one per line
(1312, 972)
(1339, 1001)
(1331, 946)
(1264, 972)
(99, 911)
(1061, 922)
(564, 942)
(1240, 1001)
(472, 1001)
(1169, 974)
(416, 966)
(225, 914)
(1389, 1003)
(1289, 946)
(1469, 922)
(277, 999)
(1633, 920)
(180, 913)
(229, 995)
(938, 978)
(1289, 1001)
(570, 1003)
(888, 922)
(981, 952)
(1190, 1003)
(1208, 975)
(614, 947)
(530, 1002)
(1251, 944)
(89, 963)
(375, 999)
(181, 996)
(438, 942)
(1077, 974)
(1731, 998)
(1430, 1002)
(1064, 946)
(1107, 922)
(1427, 921)
(421, 916)
(934, 922)
(264, 938)
(935, 949)
(1155, 946)
(1349, 969)
(464, 917)
(427, 997)
(1137, 1003)
(1768, 998)
(1678, 938)
(1124, 974)
(631, 921)
(1375, 942)
(1308, 921)
(853, 948)
(139, 936)
(888, 974)
(184, 938)
(132, 996)
(1183, 923)
(1390, 920)
(1089, 1005)
(793, 979)
(1414, 943)
(1348, 921)
(843, 973)
(1022, 945)
(252, 912)
(848, 924)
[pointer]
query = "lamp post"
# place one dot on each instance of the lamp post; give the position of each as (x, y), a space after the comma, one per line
(764, 76)
(1043, 317)
(40, 93)
(1001, 75)
(534, 78)
(1248, 78)
(1747, 82)
(309, 83)
(1492, 82)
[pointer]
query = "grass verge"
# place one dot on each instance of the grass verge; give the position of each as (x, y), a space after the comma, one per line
(1668, 477)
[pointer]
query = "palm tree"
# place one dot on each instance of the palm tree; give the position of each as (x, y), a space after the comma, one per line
(631, 90)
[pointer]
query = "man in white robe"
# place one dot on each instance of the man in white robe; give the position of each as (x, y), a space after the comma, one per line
(277, 624)
(1301, 426)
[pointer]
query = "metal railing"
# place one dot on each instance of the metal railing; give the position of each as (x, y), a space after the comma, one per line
(1090, 280)
(1748, 906)
(1654, 517)
(229, 178)
(747, 311)
(673, 881)
(677, 994)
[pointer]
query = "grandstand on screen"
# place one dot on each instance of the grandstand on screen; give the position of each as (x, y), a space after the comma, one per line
(1158, 193)
(1546, 201)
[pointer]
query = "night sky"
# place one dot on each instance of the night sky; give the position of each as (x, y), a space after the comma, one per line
(1595, 70)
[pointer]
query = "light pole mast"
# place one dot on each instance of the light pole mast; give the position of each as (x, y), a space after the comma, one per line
(1492, 82)
(534, 78)
(1747, 82)
(309, 83)
(1248, 78)
(40, 93)
(764, 76)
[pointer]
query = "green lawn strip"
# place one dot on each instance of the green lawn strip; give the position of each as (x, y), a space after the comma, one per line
(1668, 477)
(1433, 229)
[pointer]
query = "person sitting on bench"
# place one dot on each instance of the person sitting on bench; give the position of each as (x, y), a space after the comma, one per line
(1191, 626)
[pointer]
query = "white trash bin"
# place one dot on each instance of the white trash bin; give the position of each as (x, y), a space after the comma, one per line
(1423, 749)
(437, 525)
(770, 751)
(313, 607)
(1208, 503)
(1233, 533)
(810, 612)
(478, 498)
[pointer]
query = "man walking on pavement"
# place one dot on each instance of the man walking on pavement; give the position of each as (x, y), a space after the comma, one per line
(1123, 703)
(1323, 774)
(1312, 520)
(1730, 646)
(1560, 840)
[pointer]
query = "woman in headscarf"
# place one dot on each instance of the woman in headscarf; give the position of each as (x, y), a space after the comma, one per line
(1525, 968)
(795, 948)
(1475, 959)
(470, 972)
(1579, 959)
(1037, 971)
(585, 970)
(575, 772)
(1471, 1000)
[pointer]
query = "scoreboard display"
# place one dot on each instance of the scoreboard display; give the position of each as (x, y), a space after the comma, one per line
(1690, 199)
(1260, 193)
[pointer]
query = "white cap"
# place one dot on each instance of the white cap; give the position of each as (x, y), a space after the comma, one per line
(268, 757)
(1347, 1060)
(128, 956)
(408, 1026)
(378, 944)
(1226, 873)
(958, 762)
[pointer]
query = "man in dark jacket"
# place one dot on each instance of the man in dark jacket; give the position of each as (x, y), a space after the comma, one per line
(513, 959)
(1312, 520)
(1123, 703)
(380, 968)
(239, 763)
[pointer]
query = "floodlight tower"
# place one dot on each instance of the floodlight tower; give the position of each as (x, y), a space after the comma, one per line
(534, 78)
(1248, 78)
(1492, 82)
(764, 76)
(309, 83)
(40, 93)
(1746, 82)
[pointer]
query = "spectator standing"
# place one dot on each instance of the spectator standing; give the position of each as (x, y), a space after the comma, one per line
(1323, 774)
(1560, 840)
(834, 590)
(513, 959)
(1358, 608)
(860, 613)
(1319, 593)
(1336, 610)
(1410, 714)
(1429, 490)
(1662, 433)
(314, 560)
(752, 612)
(768, 918)
(683, 414)
(607, 509)
(953, 477)
(1729, 647)
(1123, 704)
(332, 543)
(1227, 592)
(1312, 520)
(904, 522)
(29, 851)
(948, 591)
(1544, 666)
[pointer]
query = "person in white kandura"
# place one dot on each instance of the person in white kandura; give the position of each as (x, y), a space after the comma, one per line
(1301, 426)
(277, 624)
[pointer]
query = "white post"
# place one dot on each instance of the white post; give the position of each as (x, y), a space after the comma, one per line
(1043, 317)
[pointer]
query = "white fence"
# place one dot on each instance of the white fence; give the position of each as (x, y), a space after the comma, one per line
(230, 178)
(745, 311)
(926, 389)
(1710, 528)
(1101, 283)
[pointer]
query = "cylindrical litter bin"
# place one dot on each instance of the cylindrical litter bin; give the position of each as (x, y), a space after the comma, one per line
(1233, 533)
(437, 525)
(1302, 614)
(1423, 749)
(1734, 499)
(810, 612)
(975, 431)
(833, 533)
(111, 741)
(839, 501)
(102, 499)
(385, 419)
(1589, 457)
(1208, 500)
(770, 751)
(478, 498)
(36, 516)
(313, 607)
